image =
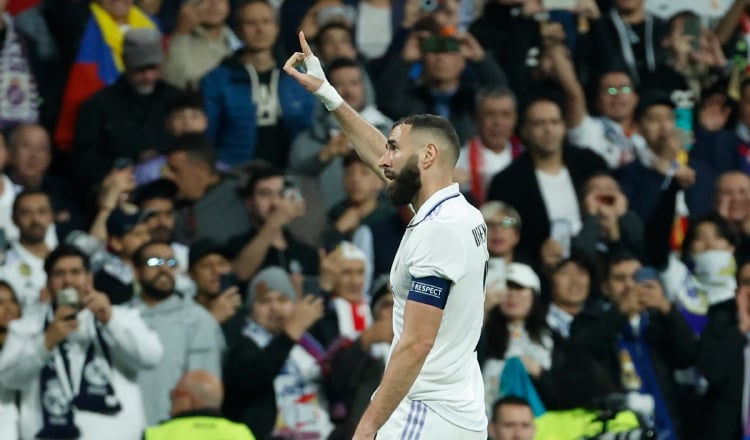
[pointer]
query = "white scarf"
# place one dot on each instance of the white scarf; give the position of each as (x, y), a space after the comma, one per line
(19, 99)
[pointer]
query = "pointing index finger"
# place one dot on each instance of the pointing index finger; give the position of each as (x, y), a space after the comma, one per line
(305, 47)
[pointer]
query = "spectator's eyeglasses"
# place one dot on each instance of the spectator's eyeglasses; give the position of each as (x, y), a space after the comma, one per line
(505, 223)
(625, 90)
(158, 262)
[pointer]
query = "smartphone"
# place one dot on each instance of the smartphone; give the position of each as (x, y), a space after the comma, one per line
(692, 28)
(562, 232)
(69, 297)
(121, 163)
(646, 274)
(226, 281)
(497, 273)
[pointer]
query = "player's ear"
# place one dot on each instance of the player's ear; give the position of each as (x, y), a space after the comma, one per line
(430, 154)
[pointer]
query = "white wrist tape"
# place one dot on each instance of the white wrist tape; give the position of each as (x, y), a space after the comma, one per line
(325, 93)
(328, 95)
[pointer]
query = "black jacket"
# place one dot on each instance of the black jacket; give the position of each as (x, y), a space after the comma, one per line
(722, 363)
(117, 122)
(518, 186)
(248, 373)
(671, 342)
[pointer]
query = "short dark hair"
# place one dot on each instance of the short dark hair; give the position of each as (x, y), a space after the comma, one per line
(536, 101)
(63, 251)
(138, 255)
(435, 125)
(342, 63)
(509, 400)
(616, 258)
(28, 193)
(600, 77)
(188, 99)
(722, 226)
(333, 25)
(351, 159)
(256, 171)
(197, 146)
(158, 189)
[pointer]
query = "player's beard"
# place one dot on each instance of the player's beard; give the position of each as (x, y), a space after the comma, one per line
(404, 187)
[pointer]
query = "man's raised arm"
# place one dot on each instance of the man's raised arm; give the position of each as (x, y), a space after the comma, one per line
(367, 140)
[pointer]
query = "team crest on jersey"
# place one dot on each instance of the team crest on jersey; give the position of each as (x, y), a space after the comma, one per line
(24, 269)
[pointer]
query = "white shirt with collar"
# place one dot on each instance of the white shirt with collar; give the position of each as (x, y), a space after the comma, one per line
(559, 320)
(446, 239)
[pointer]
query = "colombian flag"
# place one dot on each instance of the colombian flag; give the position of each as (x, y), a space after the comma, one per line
(99, 64)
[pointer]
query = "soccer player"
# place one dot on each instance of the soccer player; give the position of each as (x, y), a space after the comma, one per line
(432, 385)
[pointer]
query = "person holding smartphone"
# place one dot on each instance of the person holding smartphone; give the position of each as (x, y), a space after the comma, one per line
(641, 339)
(75, 360)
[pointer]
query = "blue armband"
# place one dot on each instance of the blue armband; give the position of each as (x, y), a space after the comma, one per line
(430, 290)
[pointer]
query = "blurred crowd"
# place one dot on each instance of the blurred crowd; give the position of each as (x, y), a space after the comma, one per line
(189, 246)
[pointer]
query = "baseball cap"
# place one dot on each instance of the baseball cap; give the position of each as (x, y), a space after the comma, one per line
(202, 248)
(120, 222)
(272, 278)
(141, 48)
(650, 98)
(523, 276)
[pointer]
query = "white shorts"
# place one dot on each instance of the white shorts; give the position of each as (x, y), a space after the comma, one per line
(413, 420)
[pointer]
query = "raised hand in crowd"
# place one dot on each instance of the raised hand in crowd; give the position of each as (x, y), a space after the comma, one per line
(608, 207)
(470, 48)
(337, 146)
(98, 303)
(226, 304)
(710, 53)
(650, 294)
(114, 192)
(306, 312)
(286, 210)
(330, 268)
(714, 112)
(63, 324)
(588, 9)
(380, 331)
(552, 33)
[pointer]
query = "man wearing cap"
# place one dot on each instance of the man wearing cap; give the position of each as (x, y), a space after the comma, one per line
(209, 268)
(126, 119)
(667, 172)
(191, 337)
(126, 232)
(441, 90)
(270, 374)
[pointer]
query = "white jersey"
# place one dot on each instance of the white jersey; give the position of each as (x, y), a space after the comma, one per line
(446, 239)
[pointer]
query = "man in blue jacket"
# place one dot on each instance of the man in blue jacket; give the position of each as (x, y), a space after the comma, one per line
(254, 112)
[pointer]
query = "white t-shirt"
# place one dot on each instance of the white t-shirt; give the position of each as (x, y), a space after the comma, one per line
(447, 239)
(560, 198)
(373, 30)
(611, 144)
(25, 273)
(492, 163)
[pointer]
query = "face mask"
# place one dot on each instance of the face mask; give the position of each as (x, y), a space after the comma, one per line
(714, 272)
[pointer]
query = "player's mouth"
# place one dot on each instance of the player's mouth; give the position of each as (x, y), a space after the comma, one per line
(390, 175)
